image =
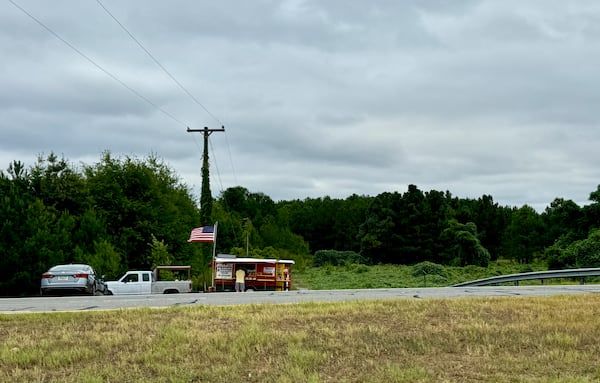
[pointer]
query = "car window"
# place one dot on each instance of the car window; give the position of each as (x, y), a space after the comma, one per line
(69, 268)
(131, 278)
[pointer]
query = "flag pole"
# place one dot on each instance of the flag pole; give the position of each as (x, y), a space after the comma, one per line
(214, 257)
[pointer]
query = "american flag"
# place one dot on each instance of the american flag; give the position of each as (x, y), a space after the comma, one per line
(203, 234)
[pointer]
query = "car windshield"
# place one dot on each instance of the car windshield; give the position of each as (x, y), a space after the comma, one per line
(70, 268)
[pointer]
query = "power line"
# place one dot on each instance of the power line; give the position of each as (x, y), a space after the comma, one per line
(123, 84)
(206, 130)
(157, 62)
(90, 60)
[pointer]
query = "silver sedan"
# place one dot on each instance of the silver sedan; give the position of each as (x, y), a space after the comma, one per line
(72, 278)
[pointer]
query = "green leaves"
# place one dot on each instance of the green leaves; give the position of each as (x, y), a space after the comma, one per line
(582, 253)
(122, 213)
(108, 215)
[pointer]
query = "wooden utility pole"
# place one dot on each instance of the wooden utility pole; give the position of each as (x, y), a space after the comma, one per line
(206, 203)
(205, 196)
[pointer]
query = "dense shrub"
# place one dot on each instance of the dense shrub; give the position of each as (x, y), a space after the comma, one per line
(428, 268)
(583, 253)
(357, 268)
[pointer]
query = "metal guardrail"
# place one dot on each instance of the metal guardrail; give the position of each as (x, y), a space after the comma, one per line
(542, 275)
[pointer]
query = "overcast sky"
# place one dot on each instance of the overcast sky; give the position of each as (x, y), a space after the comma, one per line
(318, 98)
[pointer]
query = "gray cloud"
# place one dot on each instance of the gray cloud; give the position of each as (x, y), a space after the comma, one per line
(318, 98)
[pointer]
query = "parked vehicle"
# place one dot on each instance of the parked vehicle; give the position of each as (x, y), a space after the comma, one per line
(150, 282)
(72, 278)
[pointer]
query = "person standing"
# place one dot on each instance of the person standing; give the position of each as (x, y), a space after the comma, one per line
(286, 278)
(240, 280)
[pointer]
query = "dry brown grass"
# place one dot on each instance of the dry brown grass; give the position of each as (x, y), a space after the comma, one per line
(549, 339)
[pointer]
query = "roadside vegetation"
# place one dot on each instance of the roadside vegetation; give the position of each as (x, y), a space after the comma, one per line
(128, 213)
(541, 339)
(424, 274)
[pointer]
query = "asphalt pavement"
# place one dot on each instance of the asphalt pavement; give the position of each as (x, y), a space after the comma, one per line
(89, 303)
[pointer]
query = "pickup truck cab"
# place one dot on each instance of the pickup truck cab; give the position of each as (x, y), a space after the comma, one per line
(148, 282)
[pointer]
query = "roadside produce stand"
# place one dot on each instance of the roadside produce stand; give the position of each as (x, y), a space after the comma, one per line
(262, 274)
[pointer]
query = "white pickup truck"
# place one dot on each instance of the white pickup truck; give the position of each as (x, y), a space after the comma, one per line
(149, 282)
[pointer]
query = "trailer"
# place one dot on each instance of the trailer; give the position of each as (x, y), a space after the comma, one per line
(262, 274)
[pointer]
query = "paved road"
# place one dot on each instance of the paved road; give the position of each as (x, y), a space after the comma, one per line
(82, 303)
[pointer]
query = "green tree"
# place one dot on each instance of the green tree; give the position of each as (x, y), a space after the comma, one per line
(59, 185)
(103, 258)
(89, 229)
(278, 236)
(591, 212)
(159, 254)
(377, 233)
(314, 219)
(349, 215)
(564, 219)
(491, 220)
(246, 204)
(16, 194)
(582, 253)
(137, 199)
(404, 229)
(462, 246)
(47, 244)
(523, 237)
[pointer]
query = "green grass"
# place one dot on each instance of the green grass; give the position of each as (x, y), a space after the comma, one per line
(385, 276)
(541, 339)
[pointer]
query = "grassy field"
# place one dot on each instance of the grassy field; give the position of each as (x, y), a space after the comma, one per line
(544, 339)
(383, 276)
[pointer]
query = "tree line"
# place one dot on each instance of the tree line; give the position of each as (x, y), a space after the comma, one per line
(130, 213)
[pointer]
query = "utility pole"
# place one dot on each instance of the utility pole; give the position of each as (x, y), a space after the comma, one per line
(206, 202)
(245, 221)
(205, 196)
